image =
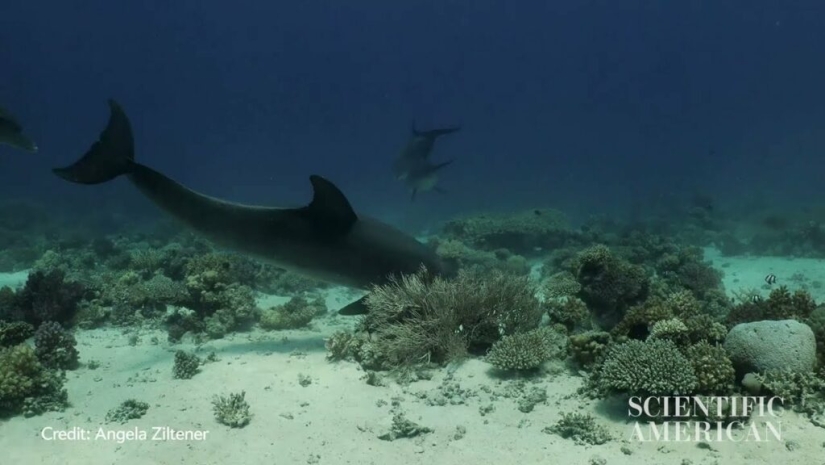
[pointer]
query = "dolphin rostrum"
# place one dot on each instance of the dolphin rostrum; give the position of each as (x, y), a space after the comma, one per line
(413, 166)
(11, 133)
(325, 239)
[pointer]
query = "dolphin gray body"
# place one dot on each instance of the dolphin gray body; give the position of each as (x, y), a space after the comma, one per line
(325, 240)
(11, 133)
(413, 165)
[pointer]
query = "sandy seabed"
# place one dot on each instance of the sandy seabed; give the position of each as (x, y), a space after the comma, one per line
(337, 418)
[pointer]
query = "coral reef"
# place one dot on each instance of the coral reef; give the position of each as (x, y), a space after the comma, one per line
(14, 333)
(524, 233)
(713, 368)
(609, 285)
(781, 304)
(55, 346)
(421, 318)
(459, 255)
(589, 347)
(48, 296)
(803, 392)
(403, 428)
(296, 313)
(651, 368)
(570, 312)
(186, 365)
(526, 351)
(26, 386)
(232, 411)
(130, 409)
(581, 428)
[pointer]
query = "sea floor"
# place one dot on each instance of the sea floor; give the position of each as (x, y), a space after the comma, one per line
(308, 410)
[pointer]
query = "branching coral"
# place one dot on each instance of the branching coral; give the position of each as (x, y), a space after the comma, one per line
(419, 317)
(714, 370)
(232, 411)
(186, 365)
(526, 351)
(781, 304)
(651, 368)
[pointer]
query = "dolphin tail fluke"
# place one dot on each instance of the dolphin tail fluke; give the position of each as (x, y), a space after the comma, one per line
(434, 133)
(111, 156)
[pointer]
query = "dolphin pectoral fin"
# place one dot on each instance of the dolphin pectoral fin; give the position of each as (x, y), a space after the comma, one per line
(19, 141)
(111, 156)
(433, 133)
(329, 211)
(440, 165)
(359, 307)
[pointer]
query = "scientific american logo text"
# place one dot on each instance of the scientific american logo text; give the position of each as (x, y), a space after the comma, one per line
(705, 419)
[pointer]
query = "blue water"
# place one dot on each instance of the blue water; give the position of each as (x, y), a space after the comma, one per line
(589, 106)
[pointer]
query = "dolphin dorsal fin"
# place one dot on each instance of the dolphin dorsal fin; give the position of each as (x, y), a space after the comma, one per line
(329, 210)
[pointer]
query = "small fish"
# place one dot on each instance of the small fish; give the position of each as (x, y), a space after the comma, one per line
(756, 298)
(770, 279)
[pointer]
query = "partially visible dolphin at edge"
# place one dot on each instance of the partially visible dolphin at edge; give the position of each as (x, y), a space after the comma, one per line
(413, 166)
(11, 133)
(325, 239)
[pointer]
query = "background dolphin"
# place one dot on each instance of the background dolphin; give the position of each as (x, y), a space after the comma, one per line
(413, 166)
(325, 240)
(11, 133)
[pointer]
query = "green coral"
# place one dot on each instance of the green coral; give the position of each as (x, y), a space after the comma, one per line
(526, 351)
(651, 368)
(232, 411)
(581, 428)
(296, 313)
(26, 386)
(186, 365)
(128, 410)
(713, 368)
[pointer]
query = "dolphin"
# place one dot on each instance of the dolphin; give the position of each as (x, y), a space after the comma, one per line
(324, 240)
(413, 166)
(11, 133)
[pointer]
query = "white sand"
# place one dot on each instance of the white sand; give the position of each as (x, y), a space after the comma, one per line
(337, 418)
